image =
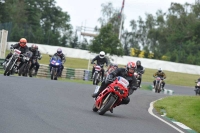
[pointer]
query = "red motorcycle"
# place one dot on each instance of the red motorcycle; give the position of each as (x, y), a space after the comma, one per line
(111, 96)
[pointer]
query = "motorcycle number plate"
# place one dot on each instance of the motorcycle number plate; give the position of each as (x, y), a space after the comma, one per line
(158, 78)
(16, 51)
(123, 81)
(53, 62)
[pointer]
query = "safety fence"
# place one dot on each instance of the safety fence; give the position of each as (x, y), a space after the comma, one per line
(68, 73)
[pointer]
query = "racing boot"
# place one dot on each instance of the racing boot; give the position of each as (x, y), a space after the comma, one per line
(111, 110)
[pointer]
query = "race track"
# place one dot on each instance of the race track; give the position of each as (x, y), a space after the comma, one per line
(31, 105)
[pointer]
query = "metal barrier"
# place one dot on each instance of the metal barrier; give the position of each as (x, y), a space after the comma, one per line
(1, 67)
(68, 73)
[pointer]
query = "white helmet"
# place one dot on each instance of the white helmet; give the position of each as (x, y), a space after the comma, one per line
(102, 54)
(159, 69)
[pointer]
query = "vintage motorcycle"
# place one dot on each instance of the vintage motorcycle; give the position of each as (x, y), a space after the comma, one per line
(159, 85)
(24, 69)
(11, 65)
(111, 96)
(55, 64)
(197, 88)
(97, 74)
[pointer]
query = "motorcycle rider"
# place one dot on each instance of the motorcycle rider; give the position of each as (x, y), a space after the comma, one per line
(36, 55)
(128, 74)
(62, 56)
(20, 46)
(160, 74)
(196, 87)
(140, 70)
(112, 65)
(101, 60)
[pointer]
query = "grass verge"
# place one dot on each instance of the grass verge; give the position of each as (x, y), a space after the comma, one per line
(185, 109)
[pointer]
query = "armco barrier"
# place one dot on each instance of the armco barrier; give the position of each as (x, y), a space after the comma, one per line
(1, 67)
(70, 73)
(67, 72)
(86, 75)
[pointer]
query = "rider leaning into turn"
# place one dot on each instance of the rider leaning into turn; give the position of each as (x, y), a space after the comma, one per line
(101, 60)
(36, 55)
(128, 74)
(140, 70)
(20, 46)
(160, 74)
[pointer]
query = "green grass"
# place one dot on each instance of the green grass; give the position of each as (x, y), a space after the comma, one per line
(185, 109)
(174, 78)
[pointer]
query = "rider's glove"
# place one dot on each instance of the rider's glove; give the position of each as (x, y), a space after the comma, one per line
(109, 79)
(131, 90)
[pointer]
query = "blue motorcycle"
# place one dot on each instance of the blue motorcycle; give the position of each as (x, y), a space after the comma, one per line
(55, 66)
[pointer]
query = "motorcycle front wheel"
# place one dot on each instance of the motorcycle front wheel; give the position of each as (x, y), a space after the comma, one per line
(107, 105)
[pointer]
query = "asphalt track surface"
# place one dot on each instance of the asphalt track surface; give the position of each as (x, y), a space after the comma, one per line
(31, 105)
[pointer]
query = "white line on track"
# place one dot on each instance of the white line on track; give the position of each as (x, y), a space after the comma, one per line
(150, 110)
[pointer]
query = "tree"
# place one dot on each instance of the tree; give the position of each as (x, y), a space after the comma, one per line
(107, 41)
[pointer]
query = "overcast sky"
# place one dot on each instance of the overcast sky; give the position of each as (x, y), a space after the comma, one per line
(87, 12)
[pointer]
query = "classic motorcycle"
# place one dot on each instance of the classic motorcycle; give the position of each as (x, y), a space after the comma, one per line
(97, 74)
(159, 85)
(11, 64)
(197, 88)
(24, 69)
(111, 96)
(55, 64)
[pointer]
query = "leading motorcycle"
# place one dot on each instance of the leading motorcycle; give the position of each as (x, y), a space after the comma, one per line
(111, 96)
(11, 64)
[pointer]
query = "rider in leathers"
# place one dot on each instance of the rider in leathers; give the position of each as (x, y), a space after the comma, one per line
(36, 55)
(128, 74)
(20, 46)
(140, 70)
(101, 60)
(160, 74)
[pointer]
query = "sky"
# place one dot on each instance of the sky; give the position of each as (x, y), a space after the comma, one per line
(86, 12)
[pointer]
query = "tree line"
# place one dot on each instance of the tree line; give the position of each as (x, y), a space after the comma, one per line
(172, 35)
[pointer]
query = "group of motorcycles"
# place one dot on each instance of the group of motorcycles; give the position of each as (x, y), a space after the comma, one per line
(12, 64)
